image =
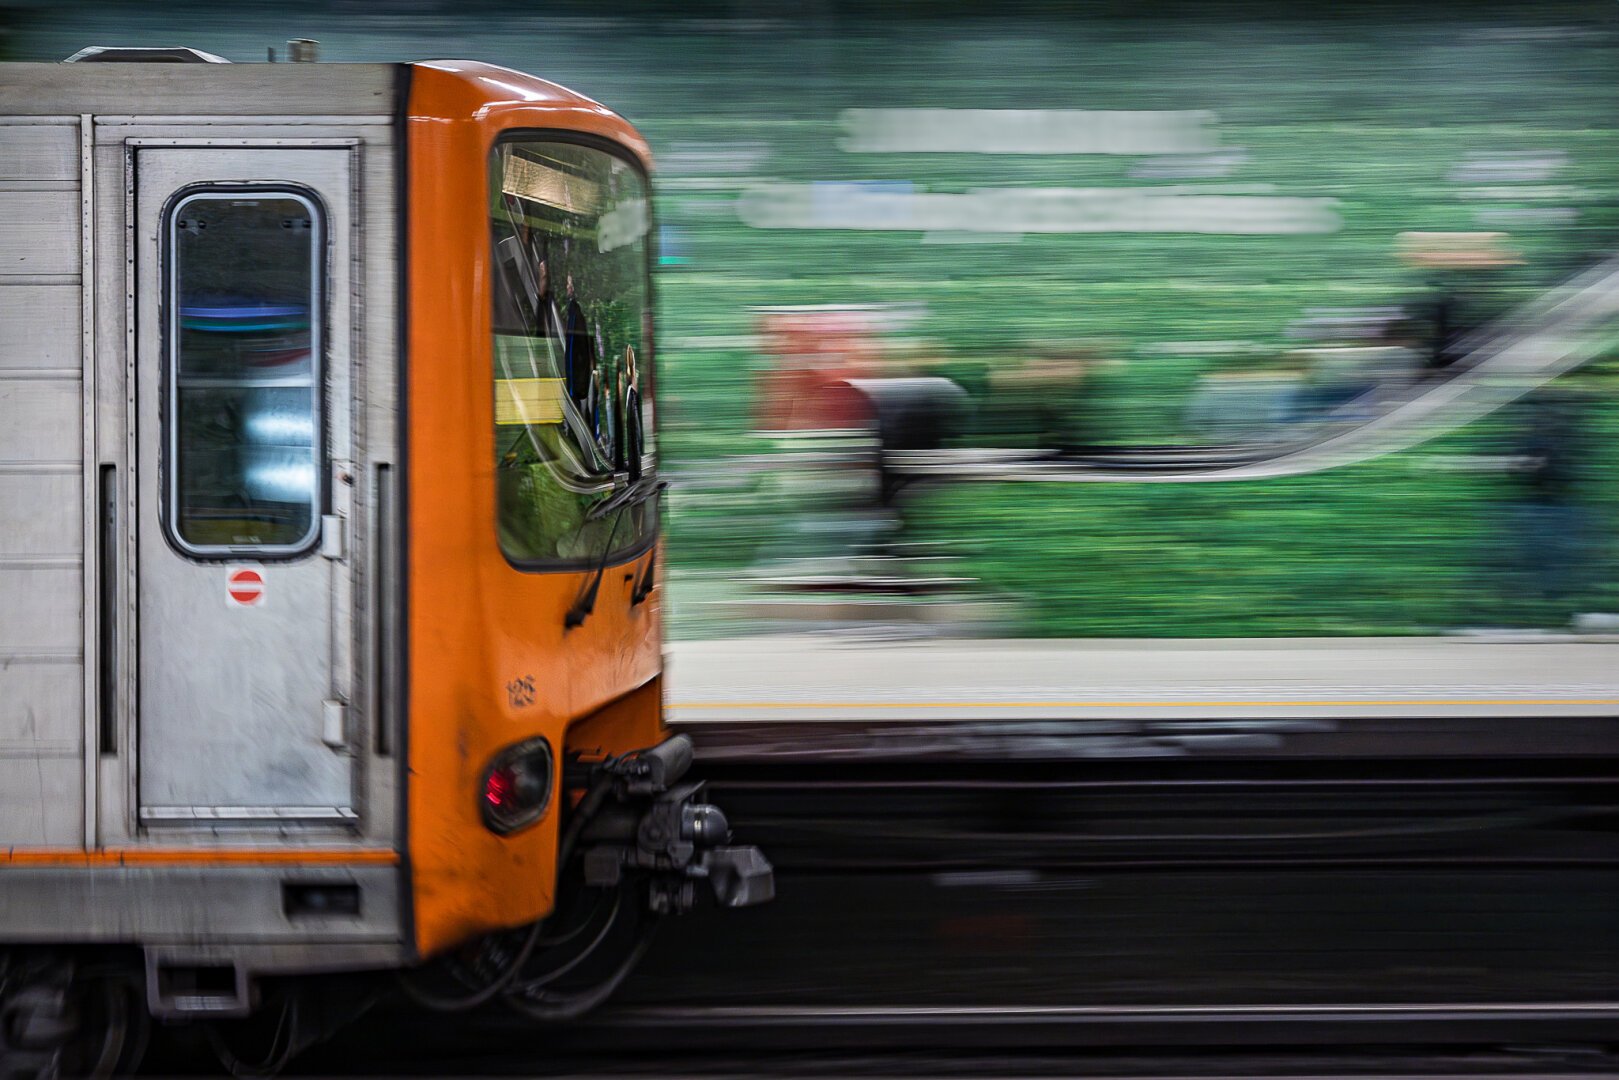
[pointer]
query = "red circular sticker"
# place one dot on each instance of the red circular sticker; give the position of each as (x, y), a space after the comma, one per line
(245, 586)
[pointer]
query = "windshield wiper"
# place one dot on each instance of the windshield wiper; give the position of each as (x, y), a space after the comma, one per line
(585, 603)
(639, 492)
(648, 582)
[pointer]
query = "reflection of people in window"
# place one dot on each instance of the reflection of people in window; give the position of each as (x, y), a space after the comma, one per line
(630, 449)
(545, 315)
(578, 362)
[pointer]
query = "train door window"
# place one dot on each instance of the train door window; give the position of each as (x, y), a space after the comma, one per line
(243, 422)
(572, 329)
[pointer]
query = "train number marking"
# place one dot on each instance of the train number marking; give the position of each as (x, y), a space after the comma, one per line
(521, 692)
(244, 586)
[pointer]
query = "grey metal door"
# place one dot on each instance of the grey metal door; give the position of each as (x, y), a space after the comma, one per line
(243, 266)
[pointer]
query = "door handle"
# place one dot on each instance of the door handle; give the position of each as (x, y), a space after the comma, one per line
(334, 539)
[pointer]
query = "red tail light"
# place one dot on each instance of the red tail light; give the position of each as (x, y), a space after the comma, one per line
(517, 786)
(498, 789)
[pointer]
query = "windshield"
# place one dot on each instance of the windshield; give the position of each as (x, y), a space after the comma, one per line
(572, 341)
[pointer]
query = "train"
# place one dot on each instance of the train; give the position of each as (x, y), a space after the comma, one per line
(331, 632)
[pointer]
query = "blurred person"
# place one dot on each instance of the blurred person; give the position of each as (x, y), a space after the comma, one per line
(1044, 400)
(1346, 381)
(1548, 541)
(1444, 325)
(838, 402)
(1336, 378)
(1401, 358)
(812, 353)
(1463, 272)
(1252, 404)
(826, 476)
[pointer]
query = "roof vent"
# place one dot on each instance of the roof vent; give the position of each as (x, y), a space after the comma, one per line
(172, 54)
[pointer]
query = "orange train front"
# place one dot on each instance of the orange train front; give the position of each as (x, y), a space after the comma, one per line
(339, 643)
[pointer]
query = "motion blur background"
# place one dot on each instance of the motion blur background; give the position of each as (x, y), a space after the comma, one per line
(1182, 276)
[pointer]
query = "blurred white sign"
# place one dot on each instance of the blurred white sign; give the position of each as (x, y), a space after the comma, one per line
(896, 207)
(1026, 131)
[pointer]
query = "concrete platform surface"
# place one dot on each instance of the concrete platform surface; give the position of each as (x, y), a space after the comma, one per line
(808, 678)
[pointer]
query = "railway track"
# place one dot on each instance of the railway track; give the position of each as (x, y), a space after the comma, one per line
(1550, 1062)
(1016, 911)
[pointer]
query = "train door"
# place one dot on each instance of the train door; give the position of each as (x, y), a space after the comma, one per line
(242, 447)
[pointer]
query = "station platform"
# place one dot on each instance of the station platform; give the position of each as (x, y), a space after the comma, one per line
(805, 679)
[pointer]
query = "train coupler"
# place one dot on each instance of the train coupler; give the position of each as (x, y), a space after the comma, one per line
(658, 826)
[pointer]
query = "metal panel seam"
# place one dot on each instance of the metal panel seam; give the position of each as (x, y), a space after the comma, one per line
(399, 712)
(129, 614)
(191, 120)
(90, 476)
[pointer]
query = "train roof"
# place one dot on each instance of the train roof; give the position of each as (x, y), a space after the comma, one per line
(463, 89)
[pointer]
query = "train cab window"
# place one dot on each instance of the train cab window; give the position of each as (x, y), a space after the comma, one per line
(572, 328)
(243, 374)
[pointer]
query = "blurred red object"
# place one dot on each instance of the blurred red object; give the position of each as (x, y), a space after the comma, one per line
(814, 352)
